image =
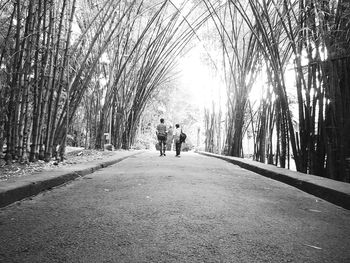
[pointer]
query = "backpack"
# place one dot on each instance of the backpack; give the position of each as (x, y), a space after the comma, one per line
(183, 136)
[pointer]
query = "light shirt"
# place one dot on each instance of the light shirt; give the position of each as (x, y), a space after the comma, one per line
(177, 134)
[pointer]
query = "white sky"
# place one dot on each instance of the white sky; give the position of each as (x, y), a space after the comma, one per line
(205, 87)
(202, 84)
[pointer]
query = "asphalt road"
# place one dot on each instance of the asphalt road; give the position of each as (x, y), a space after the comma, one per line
(165, 209)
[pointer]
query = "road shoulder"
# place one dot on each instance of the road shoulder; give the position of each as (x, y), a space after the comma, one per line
(330, 190)
(23, 187)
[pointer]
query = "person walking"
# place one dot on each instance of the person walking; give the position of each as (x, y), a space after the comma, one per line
(177, 141)
(162, 136)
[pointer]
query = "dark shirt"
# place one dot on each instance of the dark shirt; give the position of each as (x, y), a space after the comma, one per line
(161, 129)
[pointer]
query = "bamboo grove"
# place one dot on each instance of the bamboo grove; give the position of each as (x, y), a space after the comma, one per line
(308, 123)
(101, 60)
(98, 63)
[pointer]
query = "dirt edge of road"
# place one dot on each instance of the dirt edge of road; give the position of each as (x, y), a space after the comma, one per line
(23, 187)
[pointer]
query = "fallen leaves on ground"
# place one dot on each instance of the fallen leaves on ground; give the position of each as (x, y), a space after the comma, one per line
(18, 170)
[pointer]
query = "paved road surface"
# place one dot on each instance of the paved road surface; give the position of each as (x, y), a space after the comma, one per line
(166, 209)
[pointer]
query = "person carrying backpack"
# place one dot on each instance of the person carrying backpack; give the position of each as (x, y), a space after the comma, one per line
(177, 140)
(161, 136)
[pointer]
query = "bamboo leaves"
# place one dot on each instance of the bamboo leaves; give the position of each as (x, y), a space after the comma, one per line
(109, 57)
(312, 36)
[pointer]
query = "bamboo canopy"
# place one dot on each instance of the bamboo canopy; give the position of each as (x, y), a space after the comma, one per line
(75, 70)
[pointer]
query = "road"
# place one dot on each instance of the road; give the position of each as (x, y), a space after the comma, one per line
(165, 209)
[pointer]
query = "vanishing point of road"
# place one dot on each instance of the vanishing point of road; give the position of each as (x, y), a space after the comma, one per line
(166, 209)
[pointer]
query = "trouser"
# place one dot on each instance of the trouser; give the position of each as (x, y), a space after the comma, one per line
(162, 146)
(178, 147)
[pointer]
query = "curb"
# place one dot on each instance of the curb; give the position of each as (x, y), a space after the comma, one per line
(28, 188)
(335, 192)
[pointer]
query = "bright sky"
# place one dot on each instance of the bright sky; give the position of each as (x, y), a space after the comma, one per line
(204, 86)
(199, 80)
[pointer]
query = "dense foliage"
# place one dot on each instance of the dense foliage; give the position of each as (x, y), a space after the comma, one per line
(309, 39)
(78, 69)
